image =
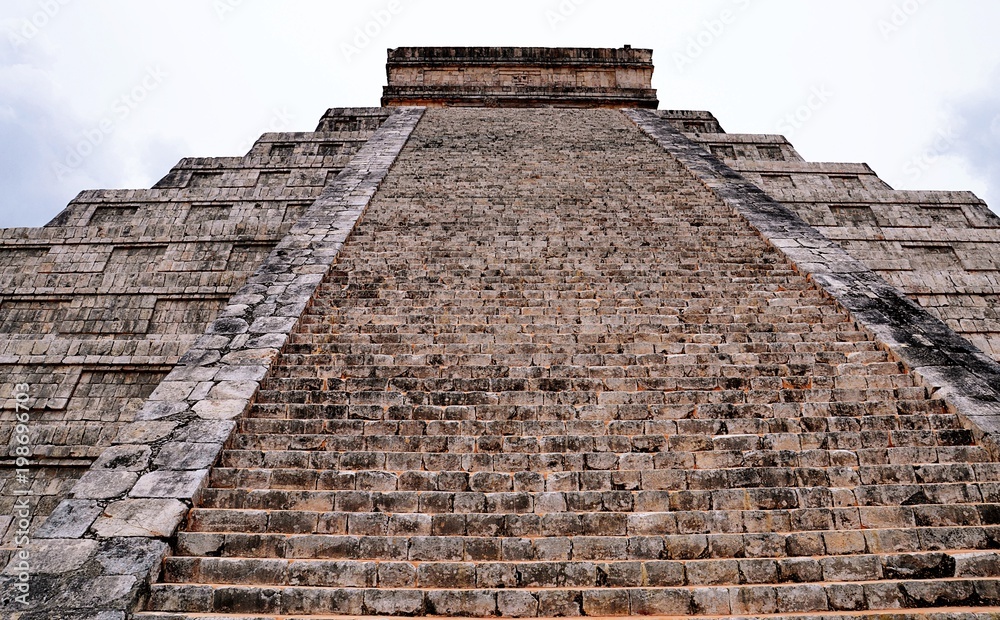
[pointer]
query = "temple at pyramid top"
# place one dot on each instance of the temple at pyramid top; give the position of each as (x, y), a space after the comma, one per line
(520, 77)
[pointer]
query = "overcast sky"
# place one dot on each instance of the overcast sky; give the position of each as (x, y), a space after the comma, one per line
(111, 93)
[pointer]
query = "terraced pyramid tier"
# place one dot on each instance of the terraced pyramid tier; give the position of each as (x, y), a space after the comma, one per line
(551, 375)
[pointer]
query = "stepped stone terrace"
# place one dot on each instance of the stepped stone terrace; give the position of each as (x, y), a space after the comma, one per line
(516, 344)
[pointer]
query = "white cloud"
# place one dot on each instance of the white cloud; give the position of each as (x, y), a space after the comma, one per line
(976, 139)
(229, 70)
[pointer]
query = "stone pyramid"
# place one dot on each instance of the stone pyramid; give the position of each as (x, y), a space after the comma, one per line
(516, 344)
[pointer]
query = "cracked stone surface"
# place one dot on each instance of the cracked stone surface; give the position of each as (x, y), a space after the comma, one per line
(153, 518)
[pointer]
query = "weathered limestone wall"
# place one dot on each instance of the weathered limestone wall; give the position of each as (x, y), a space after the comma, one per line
(98, 305)
(941, 248)
(96, 553)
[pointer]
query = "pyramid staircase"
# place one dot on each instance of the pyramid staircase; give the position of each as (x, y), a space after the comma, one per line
(551, 374)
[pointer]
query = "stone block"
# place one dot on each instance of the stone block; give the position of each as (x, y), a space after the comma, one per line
(144, 518)
(517, 604)
(56, 556)
(104, 484)
(70, 519)
(179, 455)
(168, 483)
(220, 409)
(127, 457)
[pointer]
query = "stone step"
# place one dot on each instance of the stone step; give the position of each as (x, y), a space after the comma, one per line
(397, 538)
(704, 600)
(518, 289)
(527, 294)
(582, 573)
(620, 436)
(528, 331)
(685, 349)
(492, 325)
(525, 308)
(710, 405)
(774, 434)
(520, 502)
(736, 394)
(445, 272)
(860, 431)
(544, 329)
(413, 378)
(811, 449)
(809, 433)
(598, 523)
(701, 444)
(949, 613)
(501, 304)
(576, 266)
(930, 464)
(573, 354)
(672, 379)
(510, 349)
(373, 472)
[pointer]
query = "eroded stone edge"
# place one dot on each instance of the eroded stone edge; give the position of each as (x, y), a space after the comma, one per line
(951, 367)
(189, 416)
